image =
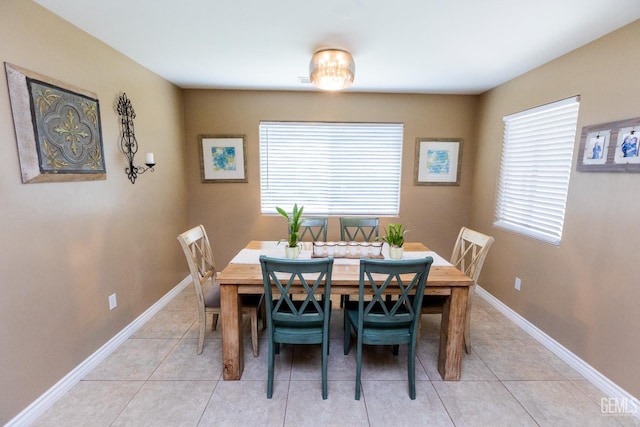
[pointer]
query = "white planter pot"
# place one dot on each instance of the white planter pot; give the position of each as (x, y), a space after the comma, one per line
(396, 252)
(291, 252)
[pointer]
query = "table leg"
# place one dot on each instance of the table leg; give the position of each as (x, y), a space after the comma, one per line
(452, 334)
(232, 342)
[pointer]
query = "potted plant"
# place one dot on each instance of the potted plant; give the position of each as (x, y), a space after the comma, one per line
(294, 220)
(395, 238)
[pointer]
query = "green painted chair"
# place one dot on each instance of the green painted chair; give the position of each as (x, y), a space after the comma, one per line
(297, 321)
(384, 322)
(353, 228)
(316, 227)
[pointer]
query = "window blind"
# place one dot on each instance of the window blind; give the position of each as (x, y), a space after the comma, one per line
(331, 168)
(535, 167)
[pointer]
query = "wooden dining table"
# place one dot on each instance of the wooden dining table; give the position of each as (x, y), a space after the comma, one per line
(243, 275)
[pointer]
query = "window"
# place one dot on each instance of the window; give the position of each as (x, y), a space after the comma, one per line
(534, 170)
(331, 168)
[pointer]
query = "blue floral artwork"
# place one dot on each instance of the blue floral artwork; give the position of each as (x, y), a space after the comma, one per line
(438, 162)
(223, 158)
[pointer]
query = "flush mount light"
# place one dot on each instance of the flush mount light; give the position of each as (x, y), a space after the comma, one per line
(332, 69)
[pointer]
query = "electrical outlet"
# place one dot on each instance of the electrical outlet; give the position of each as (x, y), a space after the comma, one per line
(113, 302)
(518, 283)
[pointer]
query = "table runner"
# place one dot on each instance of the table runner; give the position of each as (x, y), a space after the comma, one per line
(252, 256)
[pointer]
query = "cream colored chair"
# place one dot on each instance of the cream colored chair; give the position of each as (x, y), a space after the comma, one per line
(468, 256)
(197, 250)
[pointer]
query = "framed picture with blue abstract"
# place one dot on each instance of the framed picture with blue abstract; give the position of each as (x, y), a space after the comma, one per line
(223, 158)
(438, 161)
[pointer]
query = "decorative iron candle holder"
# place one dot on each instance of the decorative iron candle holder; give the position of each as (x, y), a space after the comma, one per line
(128, 143)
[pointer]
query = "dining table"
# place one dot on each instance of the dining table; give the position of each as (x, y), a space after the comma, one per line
(243, 275)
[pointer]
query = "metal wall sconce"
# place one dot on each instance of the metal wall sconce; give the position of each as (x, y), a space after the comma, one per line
(128, 143)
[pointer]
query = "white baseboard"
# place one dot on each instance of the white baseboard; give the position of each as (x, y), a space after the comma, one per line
(608, 387)
(51, 396)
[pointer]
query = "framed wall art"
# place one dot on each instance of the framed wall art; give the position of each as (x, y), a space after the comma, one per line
(58, 129)
(438, 161)
(223, 158)
(610, 147)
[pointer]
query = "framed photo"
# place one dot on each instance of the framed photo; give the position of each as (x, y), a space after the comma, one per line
(596, 148)
(610, 147)
(438, 161)
(58, 129)
(223, 158)
(627, 146)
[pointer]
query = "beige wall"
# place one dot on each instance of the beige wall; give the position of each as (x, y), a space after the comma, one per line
(583, 293)
(231, 212)
(67, 246)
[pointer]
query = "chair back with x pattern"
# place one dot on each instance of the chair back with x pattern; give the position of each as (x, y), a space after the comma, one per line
(199, 255)
(470, 251)
(382, 321)
(315, 227)
(297, 321)
(279, 276)
(353, 229)
(378, 277)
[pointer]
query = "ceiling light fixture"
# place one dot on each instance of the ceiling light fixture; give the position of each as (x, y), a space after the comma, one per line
(332, 69)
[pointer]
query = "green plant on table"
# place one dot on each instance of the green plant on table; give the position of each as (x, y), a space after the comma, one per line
(294, 220)
(395, 235)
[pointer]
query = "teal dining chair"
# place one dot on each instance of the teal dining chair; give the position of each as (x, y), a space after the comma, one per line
(381, 321)
(315, 227)
(292, 321)
(353, 228)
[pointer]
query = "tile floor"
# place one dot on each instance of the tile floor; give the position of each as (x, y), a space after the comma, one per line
(156, 379)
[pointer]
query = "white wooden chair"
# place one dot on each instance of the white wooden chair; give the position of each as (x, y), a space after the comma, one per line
(197, 250)
(468, 256)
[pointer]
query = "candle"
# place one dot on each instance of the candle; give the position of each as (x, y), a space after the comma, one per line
(149, 159)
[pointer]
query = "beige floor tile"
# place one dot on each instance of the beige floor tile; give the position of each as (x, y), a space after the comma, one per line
(194, 330)
(136, 359)
(167, 403)
(388, 404)
(559, 365)
(514, 360)
(245, 403)
(167, 324)
(556, 403)
(255, 368)
(626, 417)
(481, 403)
(305, 406)
(95, 403)
(307, 363)
(473, 368)
(183, 363)
(379, 363)
(185, 301)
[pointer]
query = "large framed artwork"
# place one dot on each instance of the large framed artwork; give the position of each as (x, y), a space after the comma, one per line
(223, 158)
(610, 147)
(438, 161)
(57, 127)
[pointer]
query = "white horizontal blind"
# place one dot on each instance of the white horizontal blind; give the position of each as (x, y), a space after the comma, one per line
(535, 168)
(331, 168)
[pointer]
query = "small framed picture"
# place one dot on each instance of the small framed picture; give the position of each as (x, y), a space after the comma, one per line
(627, 147)
(438, 161)
(596, 148)
(223, 158)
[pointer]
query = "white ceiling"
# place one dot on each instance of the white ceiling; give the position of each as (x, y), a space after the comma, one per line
(406, 46)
